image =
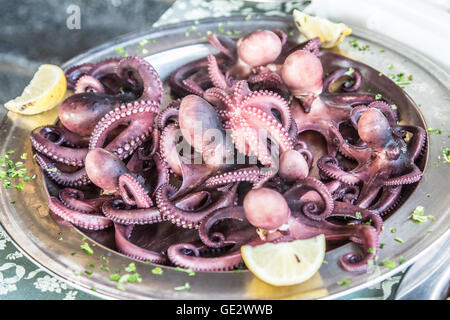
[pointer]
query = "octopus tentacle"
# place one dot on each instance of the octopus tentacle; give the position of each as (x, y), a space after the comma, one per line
(140, 113)
(356, 263)
(119, 212)
(224, 45)
(49, 139)
(129, 185)
(412, 177)
(217, 239)
(137, 69)
(188, 218)
(329, 167)
(90, 221)
(268, 101)
(309, 208)
(169, 115)
(336, 75)
(133, 251)
(76, 72)
(389, 199)
(418, 141)
(252, 175)
(69, 179)
(188, 256)
(216, 75)
(74, 199)
(88, 83)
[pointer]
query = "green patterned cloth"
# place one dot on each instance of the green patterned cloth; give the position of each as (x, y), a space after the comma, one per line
(21, 279)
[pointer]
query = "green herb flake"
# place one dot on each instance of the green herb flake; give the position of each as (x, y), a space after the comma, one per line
(120, 50)
(382, 50)
(157, 271)
(371, 250)
(350, 71)
(394, 107)
(418, 217)
(344, 282)
(237, 271)
(398, 239)
(196, 22)
(431, 130)
(393, 230)
(10, 152)
(390, 66)
(378, 96)
(401, 260)
(13, 202)
(24, 156)
(88, 272)
(86, 248)
(185, 287)
(446, 154)
(20, 187)
(114, 277)
(247, 18)
(382, 245)
(131, 267)
(358, 215)
(190, 272)
(389, 263)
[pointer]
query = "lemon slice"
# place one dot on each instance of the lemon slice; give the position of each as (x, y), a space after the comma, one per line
(45, 91)
(330, 33)
(285, 263)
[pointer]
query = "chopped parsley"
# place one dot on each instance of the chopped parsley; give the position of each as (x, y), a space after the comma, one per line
(446, 154)
(86, 248)
(354, 43)
(431, 130)
(131, 267)
(394, 107)
(358, 215)
(393, 230)
(185, 287)
(190, 272)
(378, 96)
(371, 250)
(349, 72)
(389, 263)
(418, 217)
(398, 239)
(157, 271)
(344, 282)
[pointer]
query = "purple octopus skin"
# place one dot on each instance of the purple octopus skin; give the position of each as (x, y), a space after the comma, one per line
(81, 112)
(55, 143)
(133, 152)
(386, 160)
(140, 115)
(104, 169)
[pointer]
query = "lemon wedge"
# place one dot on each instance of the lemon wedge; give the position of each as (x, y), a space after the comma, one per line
(285, 263)
(45, 91)
(331, 34)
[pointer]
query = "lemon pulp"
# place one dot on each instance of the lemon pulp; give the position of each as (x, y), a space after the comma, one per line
(285, 263)
(45, 91)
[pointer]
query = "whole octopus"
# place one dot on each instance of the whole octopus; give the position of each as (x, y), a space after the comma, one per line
(123, 162)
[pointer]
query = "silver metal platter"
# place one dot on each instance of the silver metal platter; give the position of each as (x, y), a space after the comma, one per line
(52, 246)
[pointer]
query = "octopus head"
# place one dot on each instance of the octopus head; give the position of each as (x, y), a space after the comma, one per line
(293, 166)
(302, 72)
(203, 130)
(104, 169)
(259, 48)
(266, 208)
(374, 128)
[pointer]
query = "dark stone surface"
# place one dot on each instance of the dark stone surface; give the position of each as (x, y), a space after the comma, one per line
(36, 31)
